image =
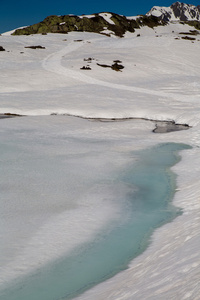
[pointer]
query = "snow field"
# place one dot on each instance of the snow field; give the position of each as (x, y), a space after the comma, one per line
(160, 81)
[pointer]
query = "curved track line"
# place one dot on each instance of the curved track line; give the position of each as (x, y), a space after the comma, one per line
(53, 63)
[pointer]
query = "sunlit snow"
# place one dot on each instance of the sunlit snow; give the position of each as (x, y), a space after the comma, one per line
(160, 81)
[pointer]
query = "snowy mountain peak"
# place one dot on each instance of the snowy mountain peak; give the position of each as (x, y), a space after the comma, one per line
(176, 12)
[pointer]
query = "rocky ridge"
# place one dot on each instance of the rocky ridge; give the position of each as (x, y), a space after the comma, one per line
(113, 24)
(176, 12)
(104, 23)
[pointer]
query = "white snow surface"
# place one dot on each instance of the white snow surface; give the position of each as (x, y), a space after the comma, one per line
(157, 11)
(107, 17)
(160, 81)
(87, 16)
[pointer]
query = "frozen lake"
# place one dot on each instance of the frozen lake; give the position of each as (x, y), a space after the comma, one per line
(77, 205)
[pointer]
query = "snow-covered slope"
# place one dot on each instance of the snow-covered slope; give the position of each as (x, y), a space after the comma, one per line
(167, 69)
(160, 81)
(176, 12)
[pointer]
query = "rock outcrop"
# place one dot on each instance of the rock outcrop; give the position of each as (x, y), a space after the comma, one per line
(104, 23)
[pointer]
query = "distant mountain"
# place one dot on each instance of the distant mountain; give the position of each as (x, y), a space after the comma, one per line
(104, 23)
(176, 12)
(109, 23)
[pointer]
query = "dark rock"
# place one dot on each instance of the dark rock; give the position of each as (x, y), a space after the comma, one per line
(179, 11)
(89, 59)
(192, 32)
(117, 67)
(195, 24)
(103, 65)
(1, 48)
(35, 47)
(188, 38)
(86, 68)
(9, 115)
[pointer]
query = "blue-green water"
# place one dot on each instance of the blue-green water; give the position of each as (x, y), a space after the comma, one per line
(149, 207)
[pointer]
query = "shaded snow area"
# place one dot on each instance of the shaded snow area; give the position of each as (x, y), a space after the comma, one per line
(56, 166)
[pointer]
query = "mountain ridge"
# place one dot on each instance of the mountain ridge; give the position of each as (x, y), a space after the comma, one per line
(109, 23)
(104, 23)
(178, 11)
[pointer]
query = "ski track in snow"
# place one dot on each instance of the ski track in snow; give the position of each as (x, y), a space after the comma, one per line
(53, 63)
